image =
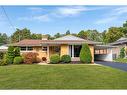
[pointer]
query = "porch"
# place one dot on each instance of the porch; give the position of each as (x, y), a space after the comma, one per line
(72, 50)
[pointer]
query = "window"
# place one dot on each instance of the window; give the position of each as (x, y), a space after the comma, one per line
(26, 48)
(56, 49)
(44, 48)
(23, 48)
(29, 48)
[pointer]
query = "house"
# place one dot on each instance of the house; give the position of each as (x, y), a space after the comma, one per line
(3, 48)
(69, 44)
(120, 43)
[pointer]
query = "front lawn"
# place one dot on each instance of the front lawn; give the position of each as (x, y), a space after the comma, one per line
(121, 60)
(62, 76)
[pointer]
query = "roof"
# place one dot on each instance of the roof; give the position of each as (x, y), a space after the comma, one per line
(28, 42)
(63, 40)
(119, 41)
(104, 46)
(69, 37)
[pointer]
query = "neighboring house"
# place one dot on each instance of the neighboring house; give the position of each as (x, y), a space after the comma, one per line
(120, 43)
(3, 48)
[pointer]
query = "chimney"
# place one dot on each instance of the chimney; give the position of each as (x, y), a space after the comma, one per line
(44, 37)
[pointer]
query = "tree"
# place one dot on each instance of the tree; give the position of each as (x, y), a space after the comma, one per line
(10, 55)
(57, 35)
(125, 24)
(17, 51)
(68, 32)
(122, 53)
(83, 34)
(4, 39)
(103, 37)
(20, 35)
(85, 54)
(36, 36)
(93, 35)
(113, 34)
(33, 36)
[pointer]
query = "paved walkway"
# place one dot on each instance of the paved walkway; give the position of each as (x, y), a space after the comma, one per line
(121, 66)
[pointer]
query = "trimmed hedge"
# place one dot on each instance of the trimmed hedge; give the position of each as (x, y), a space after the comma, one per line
(85, 54)
(65, 58)
(18, 60)
(54, 59)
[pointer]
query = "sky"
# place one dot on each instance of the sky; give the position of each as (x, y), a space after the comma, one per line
(53, 19)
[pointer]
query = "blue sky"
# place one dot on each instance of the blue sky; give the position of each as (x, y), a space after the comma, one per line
(53, 19)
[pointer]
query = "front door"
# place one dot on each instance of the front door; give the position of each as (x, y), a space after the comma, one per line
(77, 49)
(74, 50)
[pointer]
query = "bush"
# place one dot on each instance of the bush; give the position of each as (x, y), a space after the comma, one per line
(3, 61)
(55, 59)
(85, 54)
(17, 51)
(30, 58)
(65, 58)
(122, 53)
(1, 55)
(18, 60)
(10, 55)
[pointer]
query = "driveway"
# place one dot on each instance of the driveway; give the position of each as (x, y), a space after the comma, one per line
(121, 66)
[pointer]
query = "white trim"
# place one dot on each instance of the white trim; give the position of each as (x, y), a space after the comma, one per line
(48, 53)
(72, 51)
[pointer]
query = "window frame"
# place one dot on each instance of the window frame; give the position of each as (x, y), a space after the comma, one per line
(44, 48)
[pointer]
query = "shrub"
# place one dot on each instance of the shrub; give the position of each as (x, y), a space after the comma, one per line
(65, 58)
(10, 55)
(30, 57)
(55, 59)
(17, 51)
(122, 53)
(1, 55)
(85, 54)
(18, 60)
(3, 61)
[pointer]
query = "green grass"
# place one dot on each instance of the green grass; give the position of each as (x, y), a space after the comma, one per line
(67, 76)
(122, 60)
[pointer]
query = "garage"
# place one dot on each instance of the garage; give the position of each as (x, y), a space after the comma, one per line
(105, 53)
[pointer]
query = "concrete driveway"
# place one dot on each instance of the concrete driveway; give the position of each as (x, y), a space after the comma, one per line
(121, 66)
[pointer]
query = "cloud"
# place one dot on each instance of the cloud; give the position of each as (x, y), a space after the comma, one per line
(105, 20)
(56, 12)
(40, 18)
(120, 10)
(66, 11)
(36, 9)
(112, 15)
(73, 10)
